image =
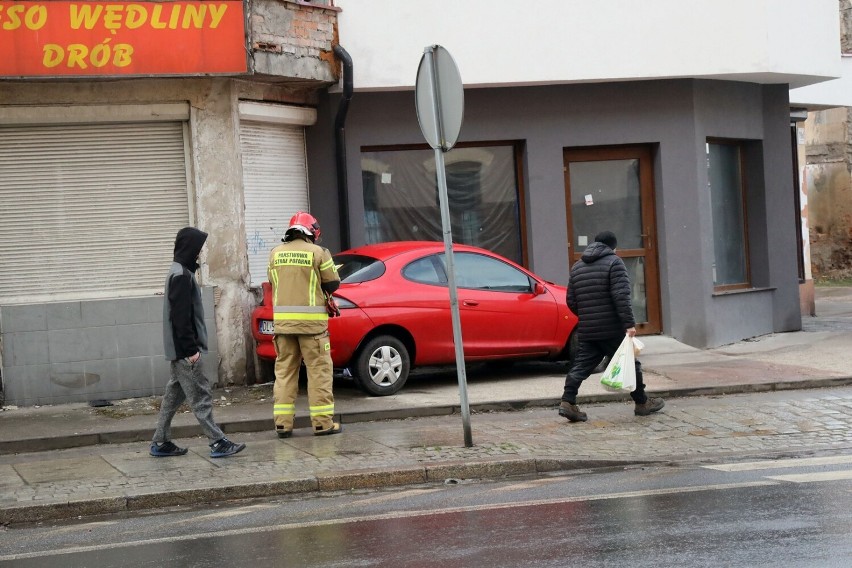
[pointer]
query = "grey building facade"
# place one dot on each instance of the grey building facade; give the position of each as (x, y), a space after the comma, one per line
(677, 124)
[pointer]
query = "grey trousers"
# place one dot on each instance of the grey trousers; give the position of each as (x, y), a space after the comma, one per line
(187, 383)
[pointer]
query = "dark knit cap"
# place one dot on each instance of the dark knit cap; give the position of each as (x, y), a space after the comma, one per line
(607, 238)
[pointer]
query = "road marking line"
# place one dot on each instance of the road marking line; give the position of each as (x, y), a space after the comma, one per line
(76, 528)
(778, 464)
(227, 513)
(532, 484)
(643, 493)
(383, 498)
(814, 477)
(254, 508)
(385, 516)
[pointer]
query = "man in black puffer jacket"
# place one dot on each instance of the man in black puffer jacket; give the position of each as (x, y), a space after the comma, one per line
(599, 293)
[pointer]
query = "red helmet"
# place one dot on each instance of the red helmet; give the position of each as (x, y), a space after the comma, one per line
(305, 223)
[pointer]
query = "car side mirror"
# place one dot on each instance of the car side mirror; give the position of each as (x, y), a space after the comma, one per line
(539, 289)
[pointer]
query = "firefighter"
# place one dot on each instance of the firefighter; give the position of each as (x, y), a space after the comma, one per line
(303, 276)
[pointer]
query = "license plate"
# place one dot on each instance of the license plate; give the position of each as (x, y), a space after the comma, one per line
(267, 327)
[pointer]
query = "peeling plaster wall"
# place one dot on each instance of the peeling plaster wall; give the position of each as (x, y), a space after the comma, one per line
(828, 177)
(807, 303)
(219, 211)
(829, 181)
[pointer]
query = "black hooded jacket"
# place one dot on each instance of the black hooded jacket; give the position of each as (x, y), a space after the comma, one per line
(184, 330)
(599, 294)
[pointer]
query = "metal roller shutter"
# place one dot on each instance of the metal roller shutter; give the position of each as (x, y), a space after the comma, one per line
(275, 181)
(89, 210)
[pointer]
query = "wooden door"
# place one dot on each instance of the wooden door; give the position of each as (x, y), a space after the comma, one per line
(612, 189)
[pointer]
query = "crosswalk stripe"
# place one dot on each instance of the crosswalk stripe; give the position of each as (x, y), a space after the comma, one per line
(813, 477)
(778, 464)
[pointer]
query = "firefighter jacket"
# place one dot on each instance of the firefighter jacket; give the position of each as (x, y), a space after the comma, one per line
(298, 271)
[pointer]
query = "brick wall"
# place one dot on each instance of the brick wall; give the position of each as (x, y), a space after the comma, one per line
(293, 39)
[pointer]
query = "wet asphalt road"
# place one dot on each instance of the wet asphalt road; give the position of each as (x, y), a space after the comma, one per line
(793, 513)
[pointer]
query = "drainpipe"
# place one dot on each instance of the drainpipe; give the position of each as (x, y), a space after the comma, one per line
(340, 145)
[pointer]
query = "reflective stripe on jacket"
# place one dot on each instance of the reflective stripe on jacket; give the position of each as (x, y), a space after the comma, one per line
(297, 269)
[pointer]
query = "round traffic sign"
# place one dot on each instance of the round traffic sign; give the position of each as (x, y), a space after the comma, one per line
(439, 97)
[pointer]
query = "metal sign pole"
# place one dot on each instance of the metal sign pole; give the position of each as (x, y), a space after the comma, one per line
(454, 298)
(446, 226)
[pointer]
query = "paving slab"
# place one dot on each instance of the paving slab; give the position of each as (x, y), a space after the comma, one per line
(65, 469)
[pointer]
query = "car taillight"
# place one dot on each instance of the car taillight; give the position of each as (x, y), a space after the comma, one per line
(267, 294)
(343, 303)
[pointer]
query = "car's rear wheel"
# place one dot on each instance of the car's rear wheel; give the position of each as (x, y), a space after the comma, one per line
(382, 366)
(573, 346)
(569, 352)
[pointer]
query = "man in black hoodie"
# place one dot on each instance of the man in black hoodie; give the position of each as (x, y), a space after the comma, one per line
(599, 293)
(184, 340)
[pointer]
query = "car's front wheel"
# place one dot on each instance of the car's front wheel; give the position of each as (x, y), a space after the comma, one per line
(382, 366)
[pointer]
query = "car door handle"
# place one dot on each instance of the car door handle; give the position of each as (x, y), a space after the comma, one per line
(470, 302)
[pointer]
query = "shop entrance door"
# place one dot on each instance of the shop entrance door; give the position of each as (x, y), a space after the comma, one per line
(613, 189)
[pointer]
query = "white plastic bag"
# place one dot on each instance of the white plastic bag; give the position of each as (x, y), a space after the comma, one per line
(620, 374)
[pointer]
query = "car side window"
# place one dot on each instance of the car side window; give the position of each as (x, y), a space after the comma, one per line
(353, 268)
(480, 272)
(426, 271)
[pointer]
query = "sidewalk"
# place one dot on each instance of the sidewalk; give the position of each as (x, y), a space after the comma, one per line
(412, 437)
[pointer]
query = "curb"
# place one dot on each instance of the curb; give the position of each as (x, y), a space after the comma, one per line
(67, 441)
(449, 472)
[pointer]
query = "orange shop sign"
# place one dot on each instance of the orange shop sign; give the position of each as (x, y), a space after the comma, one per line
(91, 38)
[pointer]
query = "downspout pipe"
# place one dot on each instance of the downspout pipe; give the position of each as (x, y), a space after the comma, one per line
(340, 145)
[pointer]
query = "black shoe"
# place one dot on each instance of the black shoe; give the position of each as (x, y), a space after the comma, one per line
(224, 448)
(649, 406)
(282, 433)
(335, 429)
(166, 449)
(572, 412)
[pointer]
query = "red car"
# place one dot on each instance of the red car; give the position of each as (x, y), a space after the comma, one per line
(395, 312)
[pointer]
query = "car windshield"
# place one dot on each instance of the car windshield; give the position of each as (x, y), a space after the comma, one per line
(354, 268)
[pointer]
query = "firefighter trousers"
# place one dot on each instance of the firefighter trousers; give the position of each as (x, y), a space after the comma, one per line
(315, 351)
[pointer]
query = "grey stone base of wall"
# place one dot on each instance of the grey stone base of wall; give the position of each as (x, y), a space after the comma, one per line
(61, 352)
